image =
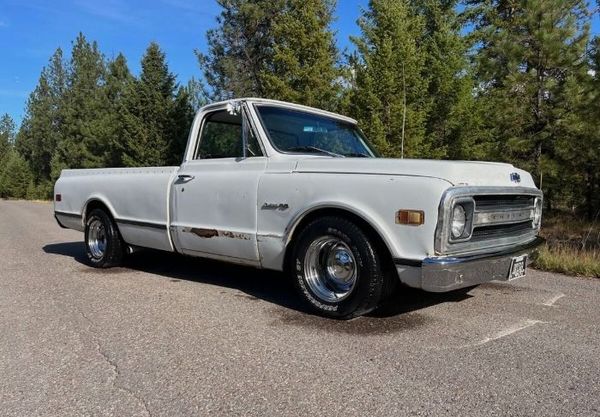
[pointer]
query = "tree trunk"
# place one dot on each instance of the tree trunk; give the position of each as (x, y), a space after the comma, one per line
(589, 192)
(403, 107)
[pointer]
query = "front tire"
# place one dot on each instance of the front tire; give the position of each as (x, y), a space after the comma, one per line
(336, 268)
(103, 244)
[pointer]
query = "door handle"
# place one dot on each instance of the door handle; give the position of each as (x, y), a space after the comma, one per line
(185, 178)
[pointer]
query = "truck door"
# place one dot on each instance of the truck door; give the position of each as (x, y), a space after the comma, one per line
(214, 197)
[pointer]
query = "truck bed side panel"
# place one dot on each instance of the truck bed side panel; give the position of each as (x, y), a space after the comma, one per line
(136, 197)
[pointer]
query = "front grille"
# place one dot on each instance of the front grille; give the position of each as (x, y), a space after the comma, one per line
(501, 230)
(504, 214)
(503, 202)
(501, 217)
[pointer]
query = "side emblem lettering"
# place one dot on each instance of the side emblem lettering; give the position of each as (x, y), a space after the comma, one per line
(275, 206)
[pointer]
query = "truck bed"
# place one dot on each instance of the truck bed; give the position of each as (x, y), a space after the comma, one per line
(138, 199)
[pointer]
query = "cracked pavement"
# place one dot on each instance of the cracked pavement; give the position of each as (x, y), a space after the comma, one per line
(175, 336)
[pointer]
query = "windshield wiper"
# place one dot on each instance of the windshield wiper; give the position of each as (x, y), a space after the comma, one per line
(315, 149)
(358, 155)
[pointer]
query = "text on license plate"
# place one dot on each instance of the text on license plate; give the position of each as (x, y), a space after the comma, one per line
(517, 267)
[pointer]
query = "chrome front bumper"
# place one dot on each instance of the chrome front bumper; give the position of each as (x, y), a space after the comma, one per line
(441, 274)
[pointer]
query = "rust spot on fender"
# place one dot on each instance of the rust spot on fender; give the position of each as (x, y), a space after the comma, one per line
(204, 233)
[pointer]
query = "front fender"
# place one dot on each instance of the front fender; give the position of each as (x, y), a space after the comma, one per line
(373, 198)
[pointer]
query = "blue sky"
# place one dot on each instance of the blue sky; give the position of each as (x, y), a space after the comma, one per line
(30, 31)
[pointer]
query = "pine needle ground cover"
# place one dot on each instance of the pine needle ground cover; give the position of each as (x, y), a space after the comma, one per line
(572, 247)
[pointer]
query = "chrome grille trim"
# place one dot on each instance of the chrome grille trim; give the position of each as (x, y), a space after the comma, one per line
(498, 201)
(500, 230)
(503, 217)
(487, 218)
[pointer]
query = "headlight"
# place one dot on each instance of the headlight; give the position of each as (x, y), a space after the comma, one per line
(459, 221)
(537, 213)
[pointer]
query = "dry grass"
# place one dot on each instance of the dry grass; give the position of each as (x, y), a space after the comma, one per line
(31, 201)
(573, 246)
(570, 261)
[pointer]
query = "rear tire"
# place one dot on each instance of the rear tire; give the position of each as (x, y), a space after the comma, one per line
(104, 246)
(336, 268)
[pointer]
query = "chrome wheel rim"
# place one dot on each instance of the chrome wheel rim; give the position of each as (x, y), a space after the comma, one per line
(330, 269)
(97, 238)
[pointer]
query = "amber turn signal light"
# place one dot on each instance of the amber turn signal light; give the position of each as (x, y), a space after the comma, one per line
(410, 217)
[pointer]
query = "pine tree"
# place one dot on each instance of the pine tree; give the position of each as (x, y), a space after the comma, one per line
(453, 121)
(303, 69)
(182, 115)
(240, 49)
(197, 94)
(389, 93)
(281, 49)
(148, 133)
(15, 176)
(188, 100)
(591, 148)
(577, 153)
(41, 129)
(7, 135)
(529, 55)
(84, 142)
(118, 83)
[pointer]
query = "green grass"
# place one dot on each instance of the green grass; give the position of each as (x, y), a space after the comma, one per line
(573, 246)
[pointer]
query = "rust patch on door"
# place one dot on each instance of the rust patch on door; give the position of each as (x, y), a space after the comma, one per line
(204, 233)
(210, 233)
(233, 235)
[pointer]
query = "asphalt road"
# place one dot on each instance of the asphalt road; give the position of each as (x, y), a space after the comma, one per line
(174, 336)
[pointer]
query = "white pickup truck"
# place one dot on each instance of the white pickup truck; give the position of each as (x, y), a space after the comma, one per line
(291, 188)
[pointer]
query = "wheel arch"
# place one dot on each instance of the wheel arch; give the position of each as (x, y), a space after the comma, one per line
(94, 203)
(368, 225)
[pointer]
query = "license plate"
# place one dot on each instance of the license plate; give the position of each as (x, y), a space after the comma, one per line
(517, 267)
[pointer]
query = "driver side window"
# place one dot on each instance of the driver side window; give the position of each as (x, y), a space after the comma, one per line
(221, 137)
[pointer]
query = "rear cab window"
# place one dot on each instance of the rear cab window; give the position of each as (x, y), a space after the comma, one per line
(221, 136)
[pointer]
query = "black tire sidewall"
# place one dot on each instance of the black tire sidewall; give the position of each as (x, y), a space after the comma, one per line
(113, 244)
(367, 291)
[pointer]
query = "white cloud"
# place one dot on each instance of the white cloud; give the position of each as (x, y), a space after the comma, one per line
(592, 73)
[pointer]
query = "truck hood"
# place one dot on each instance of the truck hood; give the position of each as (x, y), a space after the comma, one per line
(455, 172)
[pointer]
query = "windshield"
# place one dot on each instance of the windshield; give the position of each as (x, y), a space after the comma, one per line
(298, 131)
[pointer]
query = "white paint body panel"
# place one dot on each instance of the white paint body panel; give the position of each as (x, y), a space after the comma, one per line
(221, 197)
(374, 198)
(131, 195)
(221, 213)
(455, 172)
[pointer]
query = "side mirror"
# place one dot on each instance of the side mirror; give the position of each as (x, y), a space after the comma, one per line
(234, 108)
